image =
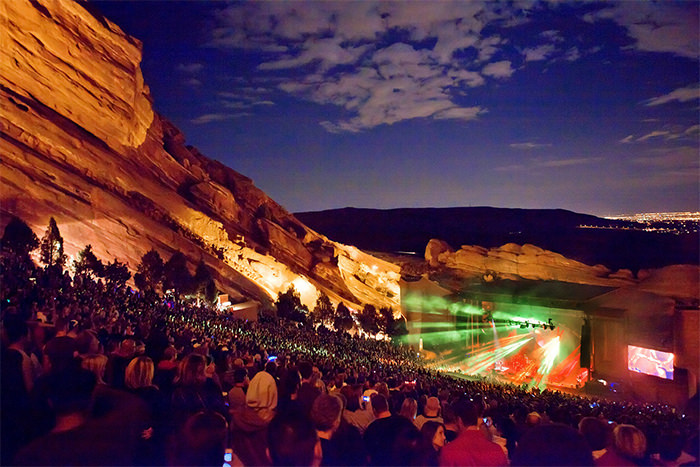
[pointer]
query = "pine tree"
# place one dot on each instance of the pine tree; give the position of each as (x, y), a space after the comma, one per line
(149, 273)
(87, 264)
(386, 320)
(203, 283)
(323, 311)
(177, 276)
(18, 238)
(343, 319)
(368, 319)
(51, 252)
(116, 273)
(16, 265)
(289, 306)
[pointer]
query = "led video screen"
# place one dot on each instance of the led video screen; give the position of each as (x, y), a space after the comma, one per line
(650, 362)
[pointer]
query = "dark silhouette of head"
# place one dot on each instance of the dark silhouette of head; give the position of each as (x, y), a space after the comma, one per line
(466, 411)
(595, 431)
(552, 444)
(292, 440)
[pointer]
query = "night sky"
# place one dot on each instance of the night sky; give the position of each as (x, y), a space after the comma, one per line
(591, 107)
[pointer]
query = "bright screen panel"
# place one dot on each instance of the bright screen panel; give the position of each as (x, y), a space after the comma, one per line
(650, 362)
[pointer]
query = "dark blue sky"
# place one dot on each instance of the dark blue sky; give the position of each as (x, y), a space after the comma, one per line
(584, 106)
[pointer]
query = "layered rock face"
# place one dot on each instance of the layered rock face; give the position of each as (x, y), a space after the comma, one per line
(512, 261)
(81, 142)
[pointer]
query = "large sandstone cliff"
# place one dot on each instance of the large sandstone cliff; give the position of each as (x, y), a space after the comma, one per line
(80, 141)
(517, 262)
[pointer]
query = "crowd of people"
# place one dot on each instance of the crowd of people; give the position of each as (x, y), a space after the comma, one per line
(100, 374)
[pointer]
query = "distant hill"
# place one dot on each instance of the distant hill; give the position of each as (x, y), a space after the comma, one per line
(410, 229)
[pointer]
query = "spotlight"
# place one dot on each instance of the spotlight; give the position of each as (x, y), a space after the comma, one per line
(523, 325)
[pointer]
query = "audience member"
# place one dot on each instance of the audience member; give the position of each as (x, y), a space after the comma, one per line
(355, 414)
(236, 395)
(249, 424)
(432, 442)
(17, 383)
(96, 363)
(293, 441)
(308, 391)
(628, 447)
(139, 381)
(552, 444)
(409, 408)
(597, 434)
(471, 446)
(194, 391)
(431, 412)
(390, 439)
(326, 412)
(76, 438)
(201, 442)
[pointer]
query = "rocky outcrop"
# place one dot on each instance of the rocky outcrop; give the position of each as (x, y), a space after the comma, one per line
(680, 281)
(81, 142)
(513, 261)
(434, 249)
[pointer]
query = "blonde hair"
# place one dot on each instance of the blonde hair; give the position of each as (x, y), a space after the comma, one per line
(629, 441)
(190, 371)
(139, 373)
(409, 408)
(96, 363)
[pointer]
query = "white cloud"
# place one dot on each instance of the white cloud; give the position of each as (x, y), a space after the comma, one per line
(530, 145)
(549, 163)
(654, 134)
(684, 157)
(685, 94)
(384, 62)
(510, 168)
(460, 113)
(572, 54)
(500, 69)
(555, 163)
(552, 35)
(378, 81)
(657, 26)
(670, 132)
(541, 52)
(190, 68)
(693, 130)
(327, 52)
(193, 82)
(470, 78)
(217, 117)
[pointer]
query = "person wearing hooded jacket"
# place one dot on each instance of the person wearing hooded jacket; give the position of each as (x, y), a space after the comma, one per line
(249, 423)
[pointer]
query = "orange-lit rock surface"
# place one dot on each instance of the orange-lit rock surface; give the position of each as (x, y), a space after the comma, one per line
(81, 142)
(512, 261)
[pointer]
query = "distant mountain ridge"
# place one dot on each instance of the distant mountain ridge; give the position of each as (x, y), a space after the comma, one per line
(410, 229)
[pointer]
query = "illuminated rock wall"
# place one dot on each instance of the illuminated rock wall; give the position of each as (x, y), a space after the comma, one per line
(513, 261)
(81, 142)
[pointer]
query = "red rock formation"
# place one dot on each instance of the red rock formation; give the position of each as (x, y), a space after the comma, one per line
(513, 261)
(81, 142)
